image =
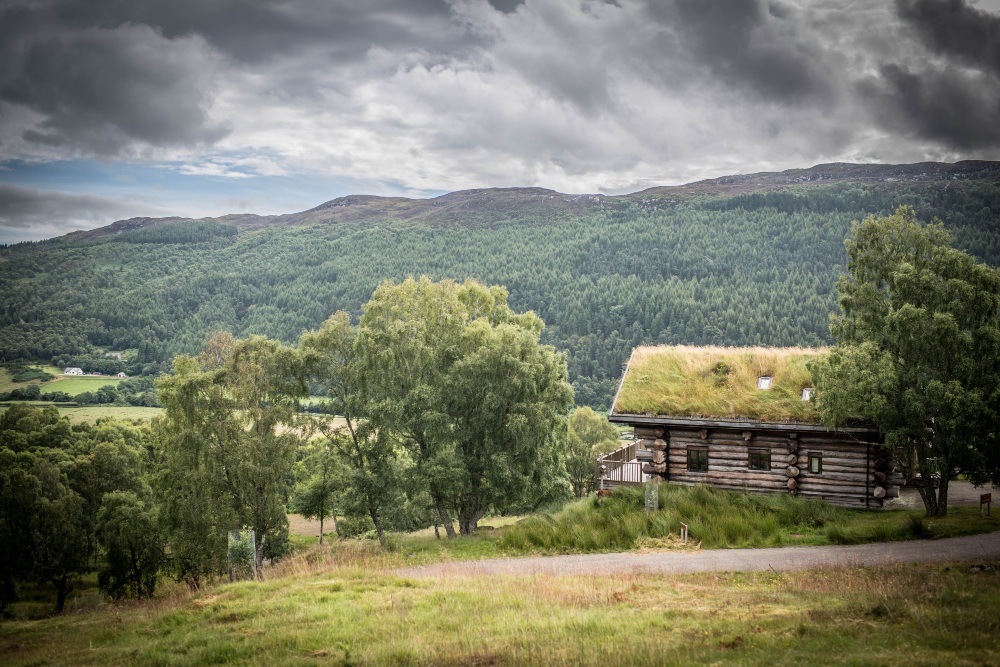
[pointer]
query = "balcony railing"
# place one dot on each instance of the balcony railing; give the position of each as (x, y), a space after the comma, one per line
(619, 467)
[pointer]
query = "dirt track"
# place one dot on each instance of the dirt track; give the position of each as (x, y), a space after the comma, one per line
(973, 548)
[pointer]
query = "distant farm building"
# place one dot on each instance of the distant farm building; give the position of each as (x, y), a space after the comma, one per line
(73, 371)
(122, 374)
(741, 419)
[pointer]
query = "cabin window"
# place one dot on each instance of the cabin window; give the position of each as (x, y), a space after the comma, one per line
(764, 382)
(815, 463)
(760, 459)
(807, 393)
(697, 459)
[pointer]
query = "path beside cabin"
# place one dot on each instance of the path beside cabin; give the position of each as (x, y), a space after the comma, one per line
(960, 494)
(971, 548)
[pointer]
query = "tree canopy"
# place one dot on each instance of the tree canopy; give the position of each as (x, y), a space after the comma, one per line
(465, 384)
(918, 352)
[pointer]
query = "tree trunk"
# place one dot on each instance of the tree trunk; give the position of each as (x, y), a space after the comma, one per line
(377, 520)
(445, 519)
(321, 529)
(336, 527)
(437, 533)
(468, 521)
(64, 586)
(259, 556)
(8, 594)
(942, 499)
(926, 491)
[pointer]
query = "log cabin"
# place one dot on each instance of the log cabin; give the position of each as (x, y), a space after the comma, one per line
(741, 419)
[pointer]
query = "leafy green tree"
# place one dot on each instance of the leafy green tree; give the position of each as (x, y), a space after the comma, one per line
(918, 352)
(114, 457)
(128, 532)
(370, 470)
(590, 436)
(227, 445)
(194, 513)
(408, 338)
(463, 380)
(321, 480)
(27, 428)
(507, 398)
(58, 532)
(20, 493)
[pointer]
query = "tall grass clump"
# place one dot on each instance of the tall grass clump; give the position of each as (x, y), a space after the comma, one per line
(715, 519)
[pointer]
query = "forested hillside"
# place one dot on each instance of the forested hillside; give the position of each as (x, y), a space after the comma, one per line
(739, 261)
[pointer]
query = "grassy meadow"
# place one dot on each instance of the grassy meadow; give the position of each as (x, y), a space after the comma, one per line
(325, 608)
(76, 384)
(91, 413)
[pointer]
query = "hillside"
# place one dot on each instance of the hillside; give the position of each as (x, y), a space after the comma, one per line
(740, 260)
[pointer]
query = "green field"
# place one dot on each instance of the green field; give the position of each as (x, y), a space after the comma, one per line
(75, 384)
(323, 608)
(92, 413)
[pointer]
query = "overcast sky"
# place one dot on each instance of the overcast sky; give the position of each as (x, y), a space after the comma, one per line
(122, 108)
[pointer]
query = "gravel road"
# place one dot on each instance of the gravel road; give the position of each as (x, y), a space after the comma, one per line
(974, 548)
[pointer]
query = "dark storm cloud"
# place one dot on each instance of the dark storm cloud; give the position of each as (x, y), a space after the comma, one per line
(958, 109)
(101, 89)
(954, 28)
(27, 207)
(951, 94)
(506, 6)
(576, 95)
(110, 77)
(255, 30)
(750, 44)
(98, 91)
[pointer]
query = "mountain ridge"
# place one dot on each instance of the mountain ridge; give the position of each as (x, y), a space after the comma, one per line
(450, 206)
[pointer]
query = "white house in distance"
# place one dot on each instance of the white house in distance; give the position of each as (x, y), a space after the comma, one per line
(73, 371)
(122, 374)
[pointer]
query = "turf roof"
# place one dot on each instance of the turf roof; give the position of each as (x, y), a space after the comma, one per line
(718, 383)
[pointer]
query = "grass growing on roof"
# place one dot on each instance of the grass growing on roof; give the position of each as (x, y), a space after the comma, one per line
(719, 382)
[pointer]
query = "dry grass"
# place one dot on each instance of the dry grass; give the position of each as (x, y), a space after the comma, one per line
(92, 413)
(719, 382)
(354, 613)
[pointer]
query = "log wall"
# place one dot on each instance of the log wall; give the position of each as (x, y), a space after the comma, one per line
(854, 473)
